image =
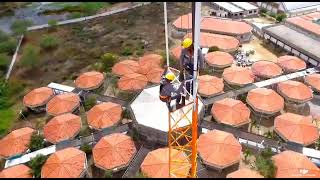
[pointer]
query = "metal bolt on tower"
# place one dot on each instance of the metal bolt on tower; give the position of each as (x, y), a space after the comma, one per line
(183, 123)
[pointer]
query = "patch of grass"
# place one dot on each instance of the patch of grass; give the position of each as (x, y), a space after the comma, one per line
(265, 165)
(4, 62)
(49, 42)
(8, 46)
(19, 27)
(7, 117)
(86, 148)
(126, 51)
(30, 57)
(75, 15)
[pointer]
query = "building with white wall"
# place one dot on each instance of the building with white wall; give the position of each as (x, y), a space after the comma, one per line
(233, 9)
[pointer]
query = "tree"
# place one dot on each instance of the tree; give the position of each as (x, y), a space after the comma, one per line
(280, 17)
(86, 148)
(265, 165)
(108, 60)
(30, 56)
(36, 142)
(49, 42)
(90, 102)
(36, 164)
(247, 153)
(8, 46)
(19, 27)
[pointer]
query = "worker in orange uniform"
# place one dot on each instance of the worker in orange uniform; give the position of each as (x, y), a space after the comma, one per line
(186, 62)
(168, 92)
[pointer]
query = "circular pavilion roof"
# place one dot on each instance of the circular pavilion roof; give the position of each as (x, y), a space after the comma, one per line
(265, 100)
(295, 91)
(62, 127)
(219, 149)
(132, 82)
(154, 59)
(38, 97)
(66, 163)
(245, 173)
(156, 164)
(296, 128)
(223, 42)
(63, 103)
(113, 151)
(294, 165)
(16, 142)
(154, 75)
(313, 80)
(291, 63)
(209, 85)
(219, 59)
(90, 80)
(125, 67)
(104, 115)
(176, 52)
(17, 171)
(238, 76)
(230, 111)
(183, 22)
(266, 69)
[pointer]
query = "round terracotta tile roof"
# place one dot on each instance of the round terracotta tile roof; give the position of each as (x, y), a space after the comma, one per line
(266, 69)
(183, 22)
(265, 100)
(113, 151)
(176, 52)
(313, 80)
(154, 75)
(104, 115)
(89, 80)
(38, 97)
(154, 59)
(132, 82)
(62, 127)
(125, 67)
(209, 85)
(63, 103)
(238, 76)
(231, 111)
(295, 91)
(219, 149)
(219, 59)
(294, 165)
(223, 42)
(156, 164)
(291, 63)
(296, 128)
(17, 171)
(66, 163)
(245, 173)
(16, 142)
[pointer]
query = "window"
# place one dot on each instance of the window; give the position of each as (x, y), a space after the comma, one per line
(250, 12)
(255, 11)
(235, 14)
(240, 14)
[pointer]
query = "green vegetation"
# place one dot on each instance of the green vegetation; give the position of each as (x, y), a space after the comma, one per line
(30, 56)
(213, 48)
(49, 42)
(280, 17)
(265, 165)
(6, 117)
(90, 102)
(108, 174)
(75, 15)
(7, 44)
(108, 60)
(19, 27)
(4, 63)
(37, 142)
(247, 152)
(140, 175)
(127, 51)
(263, 11)
(52, 22)
(36, 164)
(317, 144)
(86, 148)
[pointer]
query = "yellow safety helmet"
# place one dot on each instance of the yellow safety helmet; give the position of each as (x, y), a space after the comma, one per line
(170, 76)
(187, 42)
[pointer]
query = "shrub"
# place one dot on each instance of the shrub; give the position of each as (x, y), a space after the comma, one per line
(263, 11)
(108, 174)
(273, 15)
(86, 148)
(75, 15)
(8, 46)
(139, 52)
(280, 17)
(127, 51)
(30, 56)
(90, 102)
(52, 22)
(19, 27)
(3, 36)
(4, 62)
(36, 164)
(49, 42)
(36, 142)
(265, 165)
(213, 48)
(108, 60)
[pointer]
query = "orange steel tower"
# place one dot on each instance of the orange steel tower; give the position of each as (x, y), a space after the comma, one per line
(183, 123)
